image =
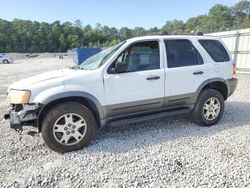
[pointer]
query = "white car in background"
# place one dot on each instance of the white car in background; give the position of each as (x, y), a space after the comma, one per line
(5, 59)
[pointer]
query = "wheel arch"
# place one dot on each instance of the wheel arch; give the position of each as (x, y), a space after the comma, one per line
(84, 98)
(217, 84)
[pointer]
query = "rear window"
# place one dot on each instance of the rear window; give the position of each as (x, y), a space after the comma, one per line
(216, 50)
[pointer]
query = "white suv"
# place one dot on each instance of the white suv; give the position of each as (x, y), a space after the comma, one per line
(138, 79)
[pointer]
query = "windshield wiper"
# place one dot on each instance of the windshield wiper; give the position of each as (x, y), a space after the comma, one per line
(75, 67)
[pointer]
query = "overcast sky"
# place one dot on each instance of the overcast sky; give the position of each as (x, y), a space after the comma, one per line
(118, 13)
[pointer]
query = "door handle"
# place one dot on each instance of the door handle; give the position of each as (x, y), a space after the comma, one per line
(198, 72)
(154, 78)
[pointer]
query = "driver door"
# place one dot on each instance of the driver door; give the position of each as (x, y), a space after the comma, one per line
(139, 86)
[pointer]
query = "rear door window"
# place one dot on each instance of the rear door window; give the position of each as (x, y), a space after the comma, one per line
(182, 53)
(216, 50)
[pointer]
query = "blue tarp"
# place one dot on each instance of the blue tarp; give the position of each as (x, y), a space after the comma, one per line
(81, 54)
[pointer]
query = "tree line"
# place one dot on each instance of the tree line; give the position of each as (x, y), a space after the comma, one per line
(32, 36)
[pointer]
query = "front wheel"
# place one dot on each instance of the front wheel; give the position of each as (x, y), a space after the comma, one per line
(209, 108)
(5, 61)
(68, 126)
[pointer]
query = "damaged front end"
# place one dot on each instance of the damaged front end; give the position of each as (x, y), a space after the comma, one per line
(23, 114)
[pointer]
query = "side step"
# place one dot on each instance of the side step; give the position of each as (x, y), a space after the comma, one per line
(140, 118)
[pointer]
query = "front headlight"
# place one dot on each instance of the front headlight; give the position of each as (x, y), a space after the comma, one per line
(19, 97)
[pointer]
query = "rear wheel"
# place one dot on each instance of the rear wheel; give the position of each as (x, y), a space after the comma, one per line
(209, 108)
(68, 126)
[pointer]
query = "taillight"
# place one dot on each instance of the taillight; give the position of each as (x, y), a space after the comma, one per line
(234, 69)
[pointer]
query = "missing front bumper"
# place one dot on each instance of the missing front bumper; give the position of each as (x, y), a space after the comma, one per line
(27, 115)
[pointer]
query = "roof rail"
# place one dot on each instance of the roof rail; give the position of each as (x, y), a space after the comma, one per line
(165, 33)
(199, 33)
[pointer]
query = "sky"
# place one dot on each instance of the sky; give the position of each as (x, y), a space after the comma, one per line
(117, 13)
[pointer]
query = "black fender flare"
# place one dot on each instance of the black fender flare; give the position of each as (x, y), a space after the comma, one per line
(203, 84)
(70, 94)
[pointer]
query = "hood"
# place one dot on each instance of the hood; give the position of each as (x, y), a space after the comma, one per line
(27, 82)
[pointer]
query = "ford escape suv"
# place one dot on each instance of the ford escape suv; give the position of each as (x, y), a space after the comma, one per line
(138, 79)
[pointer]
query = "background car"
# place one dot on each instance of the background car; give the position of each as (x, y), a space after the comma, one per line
(5, 59)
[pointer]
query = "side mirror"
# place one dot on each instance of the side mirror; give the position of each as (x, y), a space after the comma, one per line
(120, 68)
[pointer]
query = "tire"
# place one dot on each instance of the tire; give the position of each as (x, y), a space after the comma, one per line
(68, 127)
(5, 61)
(209, 108)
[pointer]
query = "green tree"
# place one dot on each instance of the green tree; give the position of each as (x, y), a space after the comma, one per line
(139, 31)
(220, 18)
(174, 27)
(153, 30)
(78, 23)
(125, 33)
(27, 36)
(241, 12)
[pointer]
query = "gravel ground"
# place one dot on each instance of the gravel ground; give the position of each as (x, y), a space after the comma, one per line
(168, 152)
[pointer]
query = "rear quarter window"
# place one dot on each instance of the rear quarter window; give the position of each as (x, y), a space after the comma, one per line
(216, 50)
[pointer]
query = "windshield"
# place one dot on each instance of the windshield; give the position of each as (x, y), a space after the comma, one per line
(100, 58)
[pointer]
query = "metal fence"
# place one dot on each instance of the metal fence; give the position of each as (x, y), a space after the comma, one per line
(238, 43)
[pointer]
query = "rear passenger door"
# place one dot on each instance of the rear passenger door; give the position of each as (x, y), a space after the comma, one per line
(185, 71)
